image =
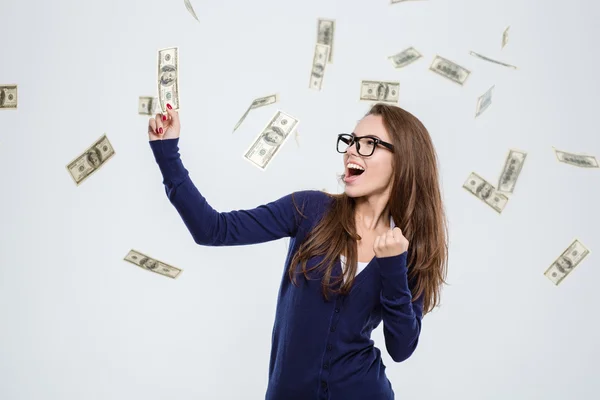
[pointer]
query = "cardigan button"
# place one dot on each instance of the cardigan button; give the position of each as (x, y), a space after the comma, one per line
(329, 347)
(333, 328)
(326, 366)
(337, 310)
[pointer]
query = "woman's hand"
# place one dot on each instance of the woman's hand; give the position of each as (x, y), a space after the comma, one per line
(392, 243)
(164, 126)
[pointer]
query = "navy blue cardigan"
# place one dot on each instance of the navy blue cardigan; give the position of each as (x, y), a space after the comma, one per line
(320, 349)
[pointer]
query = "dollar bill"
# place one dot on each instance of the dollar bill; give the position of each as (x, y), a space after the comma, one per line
(484, 191)
(566, 262)
(505, 37)
(296, 137)
(388, 92)
(189, 7)
(578, 160)
(405, 57)
(91, 160)
(318, 66)
(168, 78)
(271, 139)
(151, 264)
(147, 105)
(8, 97)
(510, 173)
(450, 70)
(325, 32)
(482, 57)
(256, 103)
(484, 101)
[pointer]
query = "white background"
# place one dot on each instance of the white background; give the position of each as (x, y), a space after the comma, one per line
(78, 322)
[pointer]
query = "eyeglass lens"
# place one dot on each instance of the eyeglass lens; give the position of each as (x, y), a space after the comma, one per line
(365, 146)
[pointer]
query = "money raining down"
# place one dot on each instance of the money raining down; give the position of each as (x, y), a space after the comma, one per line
(91, 160)
(257, 103)
(325, 33)
(485, 192)
(511, 171)
(268, 142)
(190, 9)
(405, 57)
(317, 73)
(8, 97)
(484, 58)
(577, 160)
(151, 264)
(147, 105)
(505, 37)
(388, 92)
(566, 262)
(449, 70)
(484, 101)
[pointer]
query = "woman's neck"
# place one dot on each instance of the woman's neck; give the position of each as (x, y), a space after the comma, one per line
(372, 214)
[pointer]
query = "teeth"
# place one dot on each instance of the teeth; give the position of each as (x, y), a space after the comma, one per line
(355, 166)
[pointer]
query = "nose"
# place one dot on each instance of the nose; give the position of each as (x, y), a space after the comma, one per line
(352, 149)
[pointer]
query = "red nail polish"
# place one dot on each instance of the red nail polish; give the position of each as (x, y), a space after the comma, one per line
(164, 117)
(169, 106)
(160, 130)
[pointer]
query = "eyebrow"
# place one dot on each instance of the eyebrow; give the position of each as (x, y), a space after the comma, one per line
(354, 134)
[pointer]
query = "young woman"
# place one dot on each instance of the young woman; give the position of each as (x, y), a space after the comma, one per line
(377, 252)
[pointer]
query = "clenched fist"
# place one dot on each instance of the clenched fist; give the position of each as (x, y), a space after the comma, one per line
(390, 244)
(164, 126)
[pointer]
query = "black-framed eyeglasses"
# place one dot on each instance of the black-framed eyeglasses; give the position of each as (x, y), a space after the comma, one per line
(365, 145)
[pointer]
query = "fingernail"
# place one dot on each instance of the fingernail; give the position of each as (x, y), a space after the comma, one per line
(169, 106)
(164, 117)
(160, 130)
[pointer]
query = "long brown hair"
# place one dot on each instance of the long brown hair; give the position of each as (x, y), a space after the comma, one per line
(415, 204)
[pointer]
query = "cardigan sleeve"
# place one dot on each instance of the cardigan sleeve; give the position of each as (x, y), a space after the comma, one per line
(209, 227)
(401, 316)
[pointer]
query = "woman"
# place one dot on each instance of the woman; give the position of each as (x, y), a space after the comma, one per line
(321, 342)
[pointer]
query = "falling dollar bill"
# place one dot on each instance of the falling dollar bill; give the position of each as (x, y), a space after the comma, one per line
(484, 101)
(566, 262)
(271, 139)
(388, 92)
(405, 57)
(474, 54)
(484, 191)
(168, 78)
(189, 7)
(510, 172)
(325, 32)
(256, 103)
(318, 66)
(150, 264)
(449, 70)
(505, 37)
(578, 160)
(147, 105)
(91, 160)
(8, 97)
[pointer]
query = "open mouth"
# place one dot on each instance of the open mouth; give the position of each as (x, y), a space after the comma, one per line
(355, 172)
